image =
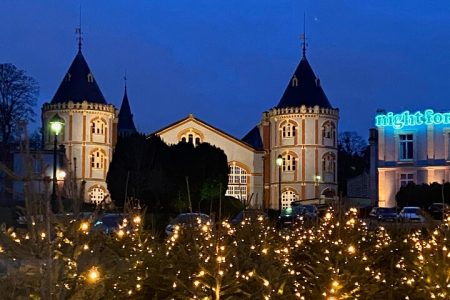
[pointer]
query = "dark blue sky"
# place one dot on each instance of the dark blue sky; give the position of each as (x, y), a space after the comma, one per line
(227, 61)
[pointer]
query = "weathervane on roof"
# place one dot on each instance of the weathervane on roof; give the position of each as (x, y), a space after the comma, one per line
(125, 79)
(303, 36)
(79, 33)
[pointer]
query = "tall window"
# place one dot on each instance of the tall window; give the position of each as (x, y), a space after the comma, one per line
(288, 130)
(329, 167)
(289, 163)
(98, 127)
(328, 130)
(97, 195)
(97, 160)
(237, 182)
(287, 198)
(448, 146)
(406, 147)
(405, 179)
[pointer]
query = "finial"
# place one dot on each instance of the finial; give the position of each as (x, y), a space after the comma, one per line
(125, 80)
(303, 36)
(79, 33)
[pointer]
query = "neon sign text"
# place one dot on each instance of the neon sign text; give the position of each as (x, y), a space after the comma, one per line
(406, 118)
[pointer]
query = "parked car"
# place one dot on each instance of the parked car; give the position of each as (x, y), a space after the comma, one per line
(187, 220)
(311, 212)
(412, 214)
(383, 214)
(437, 209)
(290, 215)
(252, 214)
(112, 222)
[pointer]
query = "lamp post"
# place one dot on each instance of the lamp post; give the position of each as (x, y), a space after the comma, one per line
(279, 164)
(56, 125)
(317, 180)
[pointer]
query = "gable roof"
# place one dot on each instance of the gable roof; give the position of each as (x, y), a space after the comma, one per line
(190, 117)
(78, 84)
(304, 89)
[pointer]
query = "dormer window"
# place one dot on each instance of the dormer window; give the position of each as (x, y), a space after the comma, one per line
(90, 78)
(68, 77)
(294, 81)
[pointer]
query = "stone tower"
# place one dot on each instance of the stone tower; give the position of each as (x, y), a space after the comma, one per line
(302, 132)
(90, 129)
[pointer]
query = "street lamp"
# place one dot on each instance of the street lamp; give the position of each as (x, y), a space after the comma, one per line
(317, 180)
(56, 125)
(279, 164)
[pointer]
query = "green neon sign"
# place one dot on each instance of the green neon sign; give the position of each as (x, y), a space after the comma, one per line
(406, 118)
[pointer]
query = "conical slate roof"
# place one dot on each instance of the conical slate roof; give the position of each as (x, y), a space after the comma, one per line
(79, 84)
(304, 89)
(126, 124)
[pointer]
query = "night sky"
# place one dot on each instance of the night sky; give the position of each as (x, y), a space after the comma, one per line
(227, 61)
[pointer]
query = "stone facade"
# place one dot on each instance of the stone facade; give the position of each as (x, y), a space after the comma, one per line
(89, 135)
(306, 139)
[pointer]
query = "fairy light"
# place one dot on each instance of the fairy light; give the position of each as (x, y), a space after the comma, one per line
(84, 226)
(93, 275)
(137, 220)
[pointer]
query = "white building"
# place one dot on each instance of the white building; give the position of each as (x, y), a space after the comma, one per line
(412, 147)
(301, 129)
(90, 129)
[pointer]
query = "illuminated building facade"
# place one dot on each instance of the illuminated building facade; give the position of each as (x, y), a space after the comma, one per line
(301, 129)
(412, 147)
(89, 131)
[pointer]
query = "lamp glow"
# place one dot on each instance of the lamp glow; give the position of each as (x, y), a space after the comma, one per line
(279, 160)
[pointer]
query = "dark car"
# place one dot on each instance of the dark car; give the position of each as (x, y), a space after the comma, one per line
(251, 214)
(187, 220)
(291, 215)
(437, 210)
(112, 222)
(311, 212)
(383, 214)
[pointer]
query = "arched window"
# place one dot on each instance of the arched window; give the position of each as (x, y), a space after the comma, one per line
(237, 182)
(288, 130)
(329, 166)
(98, 126)
(328, 131)
(191, 136)
(97, 159)
(287, 197)
(289, 163)
(97, 195)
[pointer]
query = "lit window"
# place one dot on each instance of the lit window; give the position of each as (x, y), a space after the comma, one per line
(289, 163)
(405, 179)
(191, 137)
(97, 195)
(287, 198)
(288, 130)
(237, 182)
(406, 146)
(98, 127)
(97, 159)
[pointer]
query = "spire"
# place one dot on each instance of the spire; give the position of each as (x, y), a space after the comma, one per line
(304, 89)
(79, 33)
(303, 36)
(78, 84)
(126, 123)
